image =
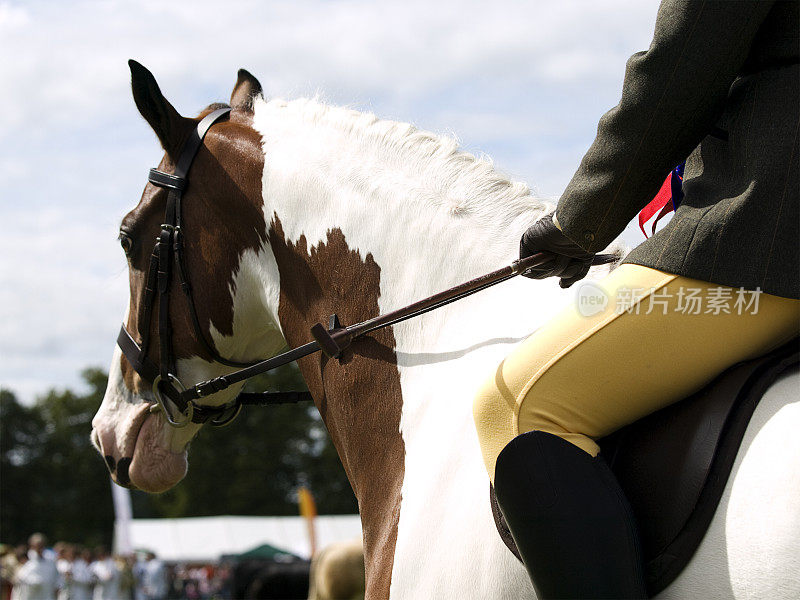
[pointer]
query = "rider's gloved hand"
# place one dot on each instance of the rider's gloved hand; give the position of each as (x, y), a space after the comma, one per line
(570, 262)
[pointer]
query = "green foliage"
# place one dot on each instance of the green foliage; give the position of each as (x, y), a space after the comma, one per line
(52, 479)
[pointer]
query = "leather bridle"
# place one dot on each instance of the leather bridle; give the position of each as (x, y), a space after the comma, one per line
(167, 260)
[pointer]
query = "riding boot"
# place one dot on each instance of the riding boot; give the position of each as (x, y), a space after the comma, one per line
(570, 519)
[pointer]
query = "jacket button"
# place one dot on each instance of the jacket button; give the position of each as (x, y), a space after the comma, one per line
(588, 236)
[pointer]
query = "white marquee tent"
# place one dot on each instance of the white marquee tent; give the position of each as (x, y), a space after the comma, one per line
(205, 539)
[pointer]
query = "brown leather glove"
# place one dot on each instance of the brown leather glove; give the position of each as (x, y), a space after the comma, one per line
(570, 262)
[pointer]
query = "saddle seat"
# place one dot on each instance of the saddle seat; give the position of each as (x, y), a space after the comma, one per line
(673, 464)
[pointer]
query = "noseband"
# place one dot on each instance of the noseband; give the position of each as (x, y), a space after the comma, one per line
(332, 341)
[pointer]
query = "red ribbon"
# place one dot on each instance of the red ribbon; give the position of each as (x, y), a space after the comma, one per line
(666, 200)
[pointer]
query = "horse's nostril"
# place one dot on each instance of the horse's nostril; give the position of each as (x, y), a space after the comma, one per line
(112, 464)
(122, 472)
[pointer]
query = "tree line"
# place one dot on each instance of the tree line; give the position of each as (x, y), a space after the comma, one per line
(53, 480)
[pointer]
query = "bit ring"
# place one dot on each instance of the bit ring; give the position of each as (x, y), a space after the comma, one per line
(162, 406)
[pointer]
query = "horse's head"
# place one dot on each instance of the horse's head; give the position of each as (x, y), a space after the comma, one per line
(223, 231)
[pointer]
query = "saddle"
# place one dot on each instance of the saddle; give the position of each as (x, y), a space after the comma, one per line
(674, 464)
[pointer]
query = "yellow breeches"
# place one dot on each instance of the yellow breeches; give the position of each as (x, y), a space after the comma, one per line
(629, 345)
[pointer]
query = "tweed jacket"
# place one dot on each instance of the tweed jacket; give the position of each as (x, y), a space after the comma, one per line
(719, 85)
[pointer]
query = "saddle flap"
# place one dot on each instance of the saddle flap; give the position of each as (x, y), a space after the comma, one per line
(674, 464)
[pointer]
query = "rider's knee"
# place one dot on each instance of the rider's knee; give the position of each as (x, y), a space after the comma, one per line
(540, 412)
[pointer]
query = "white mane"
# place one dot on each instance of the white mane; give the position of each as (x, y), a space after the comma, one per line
(455, 181)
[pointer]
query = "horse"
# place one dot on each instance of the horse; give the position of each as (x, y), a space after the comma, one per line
(337, 572)
(297, 210)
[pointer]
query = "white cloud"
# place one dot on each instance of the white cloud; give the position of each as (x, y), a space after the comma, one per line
(521, 81)
(12, 17)
(69, 58)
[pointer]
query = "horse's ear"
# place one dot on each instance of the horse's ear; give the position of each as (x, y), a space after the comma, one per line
(247, 87)
(170, 127)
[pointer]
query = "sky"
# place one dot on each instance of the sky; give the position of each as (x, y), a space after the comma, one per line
(523, 82)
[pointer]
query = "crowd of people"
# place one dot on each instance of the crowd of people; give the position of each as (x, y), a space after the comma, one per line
(72, 572)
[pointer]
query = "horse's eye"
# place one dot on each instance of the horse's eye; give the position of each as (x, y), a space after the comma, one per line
(126, 242)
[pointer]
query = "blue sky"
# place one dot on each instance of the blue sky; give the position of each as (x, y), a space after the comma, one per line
(522, 82)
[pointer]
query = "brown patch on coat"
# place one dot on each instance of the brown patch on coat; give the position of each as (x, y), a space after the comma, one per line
(222, 217)
(359, 397)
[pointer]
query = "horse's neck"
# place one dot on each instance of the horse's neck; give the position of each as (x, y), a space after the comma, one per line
(362, 228)
(351, 195)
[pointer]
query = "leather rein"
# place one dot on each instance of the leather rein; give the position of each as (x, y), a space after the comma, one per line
(167, 260)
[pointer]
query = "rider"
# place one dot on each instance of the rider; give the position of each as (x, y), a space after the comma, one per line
(719, 284)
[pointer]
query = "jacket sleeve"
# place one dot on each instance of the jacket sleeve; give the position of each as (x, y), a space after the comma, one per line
(671, 96)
